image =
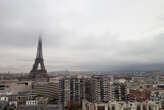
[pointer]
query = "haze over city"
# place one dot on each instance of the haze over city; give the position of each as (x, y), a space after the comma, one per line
(82, 35)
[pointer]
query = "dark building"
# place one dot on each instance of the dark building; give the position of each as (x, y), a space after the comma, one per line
(88, 89)
(120, 92)
(77, 89)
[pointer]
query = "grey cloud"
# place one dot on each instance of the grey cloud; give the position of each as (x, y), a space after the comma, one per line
(83, 36)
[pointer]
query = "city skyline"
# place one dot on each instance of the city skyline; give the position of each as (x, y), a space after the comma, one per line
(82, 35)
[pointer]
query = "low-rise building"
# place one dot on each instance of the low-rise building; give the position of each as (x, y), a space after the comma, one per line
(121, 106)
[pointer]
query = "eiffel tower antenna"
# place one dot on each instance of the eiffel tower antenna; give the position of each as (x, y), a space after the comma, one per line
(39, 49)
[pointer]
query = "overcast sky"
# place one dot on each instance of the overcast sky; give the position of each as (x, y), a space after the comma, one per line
(82, 35)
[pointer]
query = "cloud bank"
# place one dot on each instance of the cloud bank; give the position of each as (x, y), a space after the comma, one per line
(82, 35)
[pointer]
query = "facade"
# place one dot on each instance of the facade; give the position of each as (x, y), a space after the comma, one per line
(101, 89)
(140, 95)
(20, 99)
(88, 89)
(119, 92)
(64, 91)
(14, 87)
(77, 89)
(121, 106)
(49, 90)
(157, 95)
(72, 90)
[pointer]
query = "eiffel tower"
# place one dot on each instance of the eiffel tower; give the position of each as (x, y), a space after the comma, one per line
(36, 72)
